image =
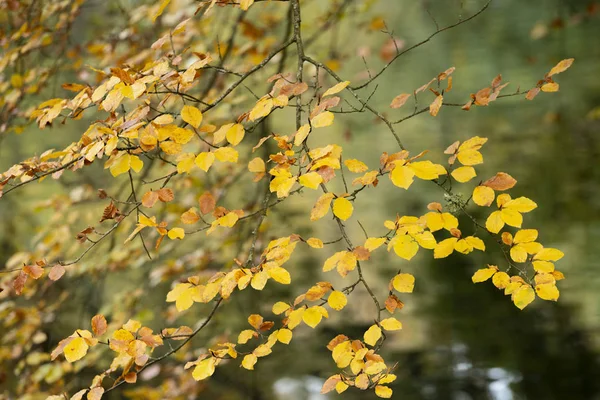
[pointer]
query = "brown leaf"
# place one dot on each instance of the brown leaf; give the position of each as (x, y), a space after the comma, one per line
(130, 377)
(56, 272)
(19, 282)
(361, 253)
(110, 212)
(400, 100)
(467, 106)
(102, 194)
(501, 181)
(34, 271)
(122, 75)
(496, 81)
(482, 97)
(99, 324)
(149, 199)
(82, 236)
(325, 104)
(435, 206)
(532, 93)
(190, 217)
(452, 148)
(165, 195)
(434, 107)
(335, 341)
(207, 203)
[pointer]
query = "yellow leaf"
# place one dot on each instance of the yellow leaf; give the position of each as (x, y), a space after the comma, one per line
(280, 307)
(543, 266)
(185, 163)
(161, 9)
(245, 4)
(547, 291)
(181, 135)
(511, 217)
(176, 233)
(340, 387)
(301, 134)
(494, 222)
(76, 349)
(444, 248)
(342, 208)
(337, 300)
(245, 336)
(523, 296)
(262, 108)
(470, 157)
(235, 134)
(295, 318)
(312, 316)
(501, 280)
(483, 196)
(520, 204)
(256, 165)
(550, 87)
(355, 165)
(383, 391)
(182, 294)
(391, 324)
(525, 236)
(259, 280)
(425, 170)
(191, 115)
(374, 243)
(404, 246)
(284, 336)
(322, 120)
(561, 66)
(282, 185)
(221, 133)
(249, 361)
(464, 174)
(404, 283)
(280, 275)
(372, 335)
(336, 88)
(315, 243)
(204, 369)
(482, 275)
(321, 207)
(311, 180)
(402, 176)
(549, 254)
(226, 154)
(518, 253)
(205, 160)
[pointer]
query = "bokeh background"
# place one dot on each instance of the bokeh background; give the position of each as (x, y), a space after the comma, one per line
(460, 341)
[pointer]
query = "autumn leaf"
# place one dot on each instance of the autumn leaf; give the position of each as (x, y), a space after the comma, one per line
(342, 208)
(400, 100)
(192, 116)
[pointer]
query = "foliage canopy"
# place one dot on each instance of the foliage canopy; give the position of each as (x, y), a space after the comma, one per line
(182, 122)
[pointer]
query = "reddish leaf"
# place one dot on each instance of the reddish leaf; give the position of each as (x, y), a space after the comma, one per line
(99, 325)
(502, 181)
(207, 203)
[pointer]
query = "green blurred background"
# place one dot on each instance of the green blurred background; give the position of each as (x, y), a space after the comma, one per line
(460, 340)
